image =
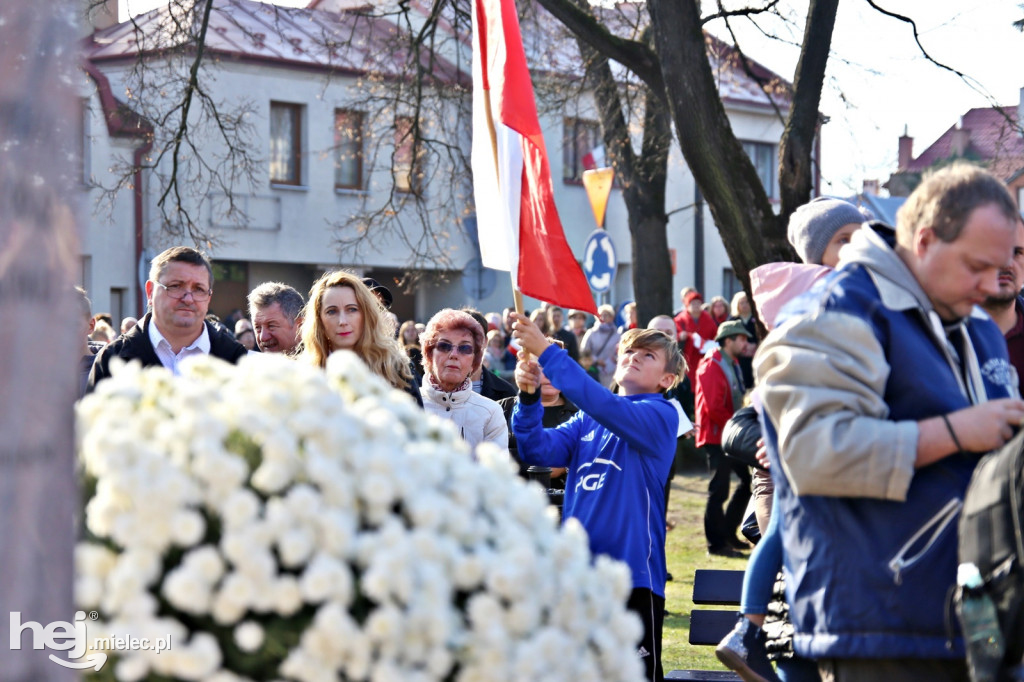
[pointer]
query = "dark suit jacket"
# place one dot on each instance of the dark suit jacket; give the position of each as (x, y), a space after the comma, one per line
(135, 345)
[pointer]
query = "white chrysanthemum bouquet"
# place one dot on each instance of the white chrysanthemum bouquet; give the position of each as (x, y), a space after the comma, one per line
(273, 522)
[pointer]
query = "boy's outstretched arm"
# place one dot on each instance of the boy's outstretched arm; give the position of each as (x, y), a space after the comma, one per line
(629, 420)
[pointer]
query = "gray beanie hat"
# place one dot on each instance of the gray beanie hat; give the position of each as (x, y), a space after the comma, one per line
(812, 226)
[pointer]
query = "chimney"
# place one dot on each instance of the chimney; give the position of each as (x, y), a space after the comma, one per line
(105, 15)
(906, 150)
(958, 141)
(870, 187)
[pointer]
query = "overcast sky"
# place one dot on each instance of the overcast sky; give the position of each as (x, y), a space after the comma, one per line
(879, 84)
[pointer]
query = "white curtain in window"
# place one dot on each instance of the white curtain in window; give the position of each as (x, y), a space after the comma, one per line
(283, 156)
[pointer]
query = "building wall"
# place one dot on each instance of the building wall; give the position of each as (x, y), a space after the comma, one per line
(289, 233)
(109, 267)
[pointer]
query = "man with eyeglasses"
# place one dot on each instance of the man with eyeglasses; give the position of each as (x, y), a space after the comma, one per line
(178, 293)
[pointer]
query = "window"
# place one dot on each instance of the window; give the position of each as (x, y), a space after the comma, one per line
(407, 171)
(285, 143)
(348, 149)
(731, 284)
(764, 158)
(118, 305)
(582, 137)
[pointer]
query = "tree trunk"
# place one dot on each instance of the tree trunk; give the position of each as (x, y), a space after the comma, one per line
(643, 180)
(747, 224)
(38, 176)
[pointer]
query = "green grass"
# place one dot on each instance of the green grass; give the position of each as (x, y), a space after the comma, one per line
(686, 551)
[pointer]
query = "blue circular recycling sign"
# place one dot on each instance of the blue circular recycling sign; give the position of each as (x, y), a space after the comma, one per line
(599, 261)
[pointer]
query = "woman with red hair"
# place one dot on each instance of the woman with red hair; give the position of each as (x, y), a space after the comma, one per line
(453, 348)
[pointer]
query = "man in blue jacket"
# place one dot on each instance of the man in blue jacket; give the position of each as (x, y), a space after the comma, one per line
(618, 450)
(881, 387)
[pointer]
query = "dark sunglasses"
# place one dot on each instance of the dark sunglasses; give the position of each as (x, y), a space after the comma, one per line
(447, 347)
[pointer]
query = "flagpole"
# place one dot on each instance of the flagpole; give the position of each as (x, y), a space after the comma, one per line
(517, 295)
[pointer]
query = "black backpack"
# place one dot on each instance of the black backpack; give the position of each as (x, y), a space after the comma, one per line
(991, 539)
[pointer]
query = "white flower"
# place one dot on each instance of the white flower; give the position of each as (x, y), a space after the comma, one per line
(232, 599)
(287, 596)
(313, 484)
(337, 532)
(206, 562)
(187, 590)
(377, 489)
(384, 626)
(326, 578)
(187, 528)
(249, 636)
(94, 560)
(239, 508)
(272, 476)
(296, 546)
(200, 658)
(131, 668)
(303, 501)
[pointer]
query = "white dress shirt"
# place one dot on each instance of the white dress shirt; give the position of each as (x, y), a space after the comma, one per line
(170, 359)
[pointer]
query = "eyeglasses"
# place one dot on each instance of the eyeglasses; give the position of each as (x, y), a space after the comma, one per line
(178, 292)
(447, 347)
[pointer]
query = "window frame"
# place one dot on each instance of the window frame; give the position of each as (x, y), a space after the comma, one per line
(572, 155)
(414, 183)
(357, 140)
(296, 142)
(731, 285)
(757, 146)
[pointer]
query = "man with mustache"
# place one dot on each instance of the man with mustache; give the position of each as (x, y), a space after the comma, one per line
(178, 294)
(1007, 307)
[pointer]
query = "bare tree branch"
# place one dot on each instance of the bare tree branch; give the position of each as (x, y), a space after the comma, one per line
(634, 55)
(748, 12)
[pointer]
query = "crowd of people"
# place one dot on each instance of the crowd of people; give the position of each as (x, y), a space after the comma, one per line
(880, 379)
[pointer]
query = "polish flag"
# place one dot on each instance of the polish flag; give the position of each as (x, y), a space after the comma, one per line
(517, 221)
(594, 159)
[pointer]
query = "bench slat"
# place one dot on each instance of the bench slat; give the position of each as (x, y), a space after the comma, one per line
(703, 675)
(717, 587)
(710, 626)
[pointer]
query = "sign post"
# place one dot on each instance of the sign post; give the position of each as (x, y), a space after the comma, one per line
(600, 261)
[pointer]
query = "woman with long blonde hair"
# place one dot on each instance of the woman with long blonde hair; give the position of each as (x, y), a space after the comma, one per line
(343, 314)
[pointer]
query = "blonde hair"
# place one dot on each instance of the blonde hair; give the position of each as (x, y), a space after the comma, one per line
(404, 329)
(376, 346)
(734, 306)
(655, 339)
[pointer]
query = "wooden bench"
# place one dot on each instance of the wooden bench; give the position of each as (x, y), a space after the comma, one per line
(712, 587)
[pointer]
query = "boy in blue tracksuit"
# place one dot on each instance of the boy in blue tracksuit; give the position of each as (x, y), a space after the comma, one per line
(618, 450)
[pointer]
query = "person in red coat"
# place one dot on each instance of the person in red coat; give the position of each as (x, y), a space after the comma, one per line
(695, 328)
(719, 393)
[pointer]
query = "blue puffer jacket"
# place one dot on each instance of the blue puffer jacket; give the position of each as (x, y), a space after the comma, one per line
(870, 542)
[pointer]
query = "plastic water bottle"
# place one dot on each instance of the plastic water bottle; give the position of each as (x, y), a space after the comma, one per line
(985, 644)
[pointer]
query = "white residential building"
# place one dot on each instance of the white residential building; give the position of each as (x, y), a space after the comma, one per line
(319, 152)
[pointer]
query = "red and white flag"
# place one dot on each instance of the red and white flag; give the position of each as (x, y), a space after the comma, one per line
(517, 221)
(594, 158)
